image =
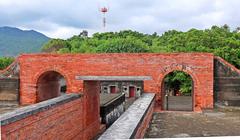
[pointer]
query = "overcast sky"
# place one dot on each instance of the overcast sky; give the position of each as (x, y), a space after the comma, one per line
(64, 18)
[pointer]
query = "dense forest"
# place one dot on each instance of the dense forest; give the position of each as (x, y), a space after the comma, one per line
(222, 41)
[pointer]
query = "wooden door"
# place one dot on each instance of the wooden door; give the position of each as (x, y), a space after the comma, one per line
(113, 89)
(131, 91)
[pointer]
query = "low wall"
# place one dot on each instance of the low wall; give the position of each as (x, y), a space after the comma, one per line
(9, 89)
(226, 83)
(134, 122)
(111, 107)
(60, 118)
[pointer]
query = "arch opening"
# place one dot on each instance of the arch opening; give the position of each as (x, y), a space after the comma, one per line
(177, 91)
(50, 84)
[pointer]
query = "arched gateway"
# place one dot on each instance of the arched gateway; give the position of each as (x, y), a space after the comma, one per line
(36, 70)
(50, 84)
(178, 91)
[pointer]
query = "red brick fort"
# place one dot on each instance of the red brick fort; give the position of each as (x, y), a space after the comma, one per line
(198, 65)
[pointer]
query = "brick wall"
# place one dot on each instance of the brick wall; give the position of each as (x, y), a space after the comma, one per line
(77, 119)
(9, 89)
(226, 83)
(198, 65)
(62, 122)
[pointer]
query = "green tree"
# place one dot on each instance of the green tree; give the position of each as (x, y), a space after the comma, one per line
(128, 45)
(178, 80)
(218, 40)
(5, 61)
(54, 45)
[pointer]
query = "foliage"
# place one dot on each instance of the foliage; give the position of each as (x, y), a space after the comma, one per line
(5, 61)
(218, 40)
(55, 45)
(221, 41)
(123, 45)
(178, 80)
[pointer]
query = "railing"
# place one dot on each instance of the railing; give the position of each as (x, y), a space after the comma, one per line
(132, 121)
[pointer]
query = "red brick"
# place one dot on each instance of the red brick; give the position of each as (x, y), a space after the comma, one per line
(198, 65)
(80, 118)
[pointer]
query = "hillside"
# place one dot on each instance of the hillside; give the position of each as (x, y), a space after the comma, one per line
(14, 41)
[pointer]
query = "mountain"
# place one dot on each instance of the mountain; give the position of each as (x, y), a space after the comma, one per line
(14, 41)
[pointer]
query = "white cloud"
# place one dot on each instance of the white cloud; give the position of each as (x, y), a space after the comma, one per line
(66, 32)
(62, 19)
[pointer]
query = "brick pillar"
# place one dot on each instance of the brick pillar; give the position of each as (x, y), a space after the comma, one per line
(91, 91)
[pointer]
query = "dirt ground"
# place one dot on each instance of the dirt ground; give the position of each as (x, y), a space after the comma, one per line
(189, 124)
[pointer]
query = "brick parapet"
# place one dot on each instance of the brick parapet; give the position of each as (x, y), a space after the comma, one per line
(198, 65)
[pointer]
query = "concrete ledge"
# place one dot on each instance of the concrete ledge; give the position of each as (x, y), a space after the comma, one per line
(111, 107)
(24, 112)
(222, 107)
(113, 78)
(126, 126)
(106, 99)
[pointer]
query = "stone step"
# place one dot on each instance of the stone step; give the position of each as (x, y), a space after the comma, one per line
(226, 85)
(9, 104)
(228, 80)
(229, 95)
(227, 88)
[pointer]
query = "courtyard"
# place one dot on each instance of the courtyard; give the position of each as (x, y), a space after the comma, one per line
(209, 123)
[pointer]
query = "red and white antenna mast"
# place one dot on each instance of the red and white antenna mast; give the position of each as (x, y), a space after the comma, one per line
(104, 11)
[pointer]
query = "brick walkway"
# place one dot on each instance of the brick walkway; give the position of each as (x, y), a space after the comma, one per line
(186, 124)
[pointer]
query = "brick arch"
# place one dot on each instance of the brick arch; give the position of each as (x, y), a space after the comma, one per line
(58, 70)
(47, 84)
(190, 73)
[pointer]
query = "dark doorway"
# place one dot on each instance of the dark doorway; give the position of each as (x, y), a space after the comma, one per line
(131, 91)
(177, 92)
(113, 89)
(50, 84)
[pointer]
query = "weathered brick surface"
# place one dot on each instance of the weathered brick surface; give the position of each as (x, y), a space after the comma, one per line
(78, 119)
(65, 121)
(91, 108)
(226, 83)
(9, 89)
(198, 65)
